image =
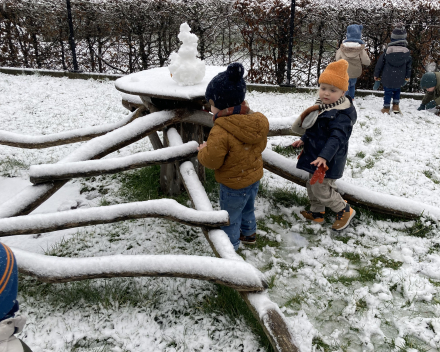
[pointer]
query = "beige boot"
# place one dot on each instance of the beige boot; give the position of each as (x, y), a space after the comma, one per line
(396, 109)
(385, 110)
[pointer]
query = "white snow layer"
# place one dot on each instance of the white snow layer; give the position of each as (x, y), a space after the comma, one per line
(163, 207)
(81, 167)
(236, 272)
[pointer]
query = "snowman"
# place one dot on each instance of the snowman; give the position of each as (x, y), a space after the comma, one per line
(185, 68)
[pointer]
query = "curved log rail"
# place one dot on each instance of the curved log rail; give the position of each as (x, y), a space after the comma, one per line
(32, 196)
(265, 311)
(378, 202)
(78, 135)
(238, 275)
(160, 208)
(65, 171)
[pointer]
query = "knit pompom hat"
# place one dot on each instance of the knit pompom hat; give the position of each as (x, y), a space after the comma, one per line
(354, 34)
(336, 75)
(8, 281)
(428, 80)
(399, 32)
(228, 88)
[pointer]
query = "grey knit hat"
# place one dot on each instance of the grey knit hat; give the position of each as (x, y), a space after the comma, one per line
(399, 32)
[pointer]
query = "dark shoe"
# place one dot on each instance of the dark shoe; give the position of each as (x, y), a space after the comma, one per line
(343, 218)
(396, 109)
(312, 216)
(252, 239)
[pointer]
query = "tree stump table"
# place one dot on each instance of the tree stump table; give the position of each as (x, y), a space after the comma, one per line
(158, 91)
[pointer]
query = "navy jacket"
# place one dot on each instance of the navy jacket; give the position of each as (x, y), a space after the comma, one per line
(394, 66)
(328, 138)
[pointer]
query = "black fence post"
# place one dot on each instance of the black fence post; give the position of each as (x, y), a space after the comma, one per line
(71, 37)
(289, 54)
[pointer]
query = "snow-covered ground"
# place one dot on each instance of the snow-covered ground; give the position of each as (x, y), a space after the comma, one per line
(374, 287)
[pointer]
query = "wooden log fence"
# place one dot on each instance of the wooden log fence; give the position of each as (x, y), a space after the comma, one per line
(241, 276)
(160, 208)
(265, 311)
(32, 196)
(65, 171)
(375, 201)
(79, 135)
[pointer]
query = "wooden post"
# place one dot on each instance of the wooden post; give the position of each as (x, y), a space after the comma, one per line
(194, 132)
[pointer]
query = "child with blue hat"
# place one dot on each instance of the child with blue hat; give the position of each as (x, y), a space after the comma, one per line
(9, 323)
(353, 51)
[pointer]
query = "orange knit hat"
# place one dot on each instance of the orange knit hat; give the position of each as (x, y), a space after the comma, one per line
(336, 75)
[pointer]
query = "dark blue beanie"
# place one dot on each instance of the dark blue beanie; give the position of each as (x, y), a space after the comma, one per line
(228, 88)
(354, 34)
(8, 282)
(428, 80)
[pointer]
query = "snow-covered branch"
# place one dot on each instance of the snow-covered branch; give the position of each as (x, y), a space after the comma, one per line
(159, 208)
(65, 171)
(238, 275)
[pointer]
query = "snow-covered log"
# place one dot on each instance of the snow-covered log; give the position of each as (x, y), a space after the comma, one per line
(65, 171)
(32, 196)
(238, 275)
(78, 135)
(379, 202)
(266, 311)
(158, 208)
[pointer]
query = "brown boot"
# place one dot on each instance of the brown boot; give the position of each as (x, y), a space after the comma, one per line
(312, 216)
(385, 110)
(343, 218)
(396, 109)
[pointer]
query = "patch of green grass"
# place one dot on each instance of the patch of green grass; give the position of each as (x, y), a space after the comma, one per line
(354, 258)
(360, 155)
(422, 228)
(10, 167)
(361, 305)
(369, 163)
(144, 184)
(378, 154)
(318, 342)
(271, 282)
(212, 187)
(287, 150)
(365, 274)
(295, 301)
(386, 262)
(377, 131)
(411, 343)
(286, 197)
(100, 292)
(430, 175)
(280, 220)
(368, 139)
(228, 302)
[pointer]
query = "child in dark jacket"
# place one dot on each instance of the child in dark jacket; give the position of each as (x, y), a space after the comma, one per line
(328, 125)
(431, 82)
(394, 68)
(233, 150)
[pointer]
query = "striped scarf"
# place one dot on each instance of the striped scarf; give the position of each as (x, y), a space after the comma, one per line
(324, 107)
(242, 109)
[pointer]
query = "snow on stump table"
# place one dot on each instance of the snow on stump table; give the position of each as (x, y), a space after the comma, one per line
(158, 91)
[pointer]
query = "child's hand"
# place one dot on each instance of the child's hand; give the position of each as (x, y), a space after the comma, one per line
(201, 146)
(319, 175)
(319, 161)
(297, 143)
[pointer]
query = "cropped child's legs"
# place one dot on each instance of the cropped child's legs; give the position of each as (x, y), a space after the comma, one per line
(323, 195)
(248, 222)
(234, 202)
(396, 96)
(387, 95)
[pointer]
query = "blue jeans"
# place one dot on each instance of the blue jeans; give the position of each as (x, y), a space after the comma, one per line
(239, 203)
(391, 93)
(351, 87)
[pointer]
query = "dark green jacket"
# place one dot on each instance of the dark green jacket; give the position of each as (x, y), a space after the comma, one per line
(435, 95)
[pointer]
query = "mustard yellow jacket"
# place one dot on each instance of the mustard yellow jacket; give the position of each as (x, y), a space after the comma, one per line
(234, 149)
